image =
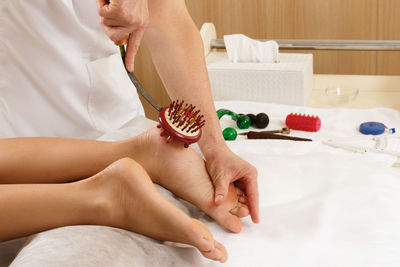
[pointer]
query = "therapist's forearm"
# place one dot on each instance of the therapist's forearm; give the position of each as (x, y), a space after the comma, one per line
(178, 54)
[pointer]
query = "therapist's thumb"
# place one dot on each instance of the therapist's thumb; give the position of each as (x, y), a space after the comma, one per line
(133, 46)
(221, 190)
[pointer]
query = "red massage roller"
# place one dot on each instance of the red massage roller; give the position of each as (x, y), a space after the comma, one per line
(301, 122)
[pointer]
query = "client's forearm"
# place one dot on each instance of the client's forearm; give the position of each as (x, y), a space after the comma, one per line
(53, 160)
(28, 209)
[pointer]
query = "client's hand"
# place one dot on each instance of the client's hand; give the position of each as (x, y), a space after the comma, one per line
(124, 19)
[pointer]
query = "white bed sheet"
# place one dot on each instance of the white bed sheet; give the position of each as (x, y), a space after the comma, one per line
(319, 206)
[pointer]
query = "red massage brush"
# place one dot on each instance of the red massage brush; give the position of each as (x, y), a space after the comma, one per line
(179, 121)
(308, 123)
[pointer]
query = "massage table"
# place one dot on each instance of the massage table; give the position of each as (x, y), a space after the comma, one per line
(319, 205)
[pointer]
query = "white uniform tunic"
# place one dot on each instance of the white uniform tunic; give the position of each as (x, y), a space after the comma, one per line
(59, 73)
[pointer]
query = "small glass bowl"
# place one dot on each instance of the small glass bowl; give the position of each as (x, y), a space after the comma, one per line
(341, 95)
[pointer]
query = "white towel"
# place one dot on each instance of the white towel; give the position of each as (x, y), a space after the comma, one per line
(319, 206)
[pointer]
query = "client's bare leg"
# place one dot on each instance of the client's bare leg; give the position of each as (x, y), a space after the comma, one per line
(121, 196)
(183, 172)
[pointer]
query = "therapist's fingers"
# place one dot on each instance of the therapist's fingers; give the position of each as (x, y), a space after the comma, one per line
(117, 23)
(111, 9)
(111, 22)
(133, 46)
(101, 3)
(107, 9)
(128, 13)
(248, 183)
(221, 188)
(122, 18)
(116, 34)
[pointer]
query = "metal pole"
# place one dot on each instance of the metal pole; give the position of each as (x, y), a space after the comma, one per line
(293, 44)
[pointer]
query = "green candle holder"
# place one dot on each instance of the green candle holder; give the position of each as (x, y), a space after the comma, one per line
(229, 134)
(243, 122)
(221, 112)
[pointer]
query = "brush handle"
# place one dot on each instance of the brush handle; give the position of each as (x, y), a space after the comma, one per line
(264, 135)
(132, 77)
(138, 85)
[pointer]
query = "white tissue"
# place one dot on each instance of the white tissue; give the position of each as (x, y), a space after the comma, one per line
(241, 48)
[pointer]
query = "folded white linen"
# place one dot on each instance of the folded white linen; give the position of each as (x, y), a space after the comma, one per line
(319, 206)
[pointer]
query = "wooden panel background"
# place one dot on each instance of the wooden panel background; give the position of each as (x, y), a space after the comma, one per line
(388, 63)
(297, 19)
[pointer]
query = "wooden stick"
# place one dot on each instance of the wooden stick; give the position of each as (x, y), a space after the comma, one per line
(264, 135)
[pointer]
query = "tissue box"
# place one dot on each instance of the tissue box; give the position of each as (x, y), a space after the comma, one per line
(288, 82)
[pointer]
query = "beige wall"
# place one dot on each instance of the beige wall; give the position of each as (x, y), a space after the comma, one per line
(299, 19)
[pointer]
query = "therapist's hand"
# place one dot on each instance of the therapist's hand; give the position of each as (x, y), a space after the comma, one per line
(225, 168)
(125, 19)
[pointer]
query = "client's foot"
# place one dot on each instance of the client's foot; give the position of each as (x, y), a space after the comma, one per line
(131, 202)
(183, 171)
